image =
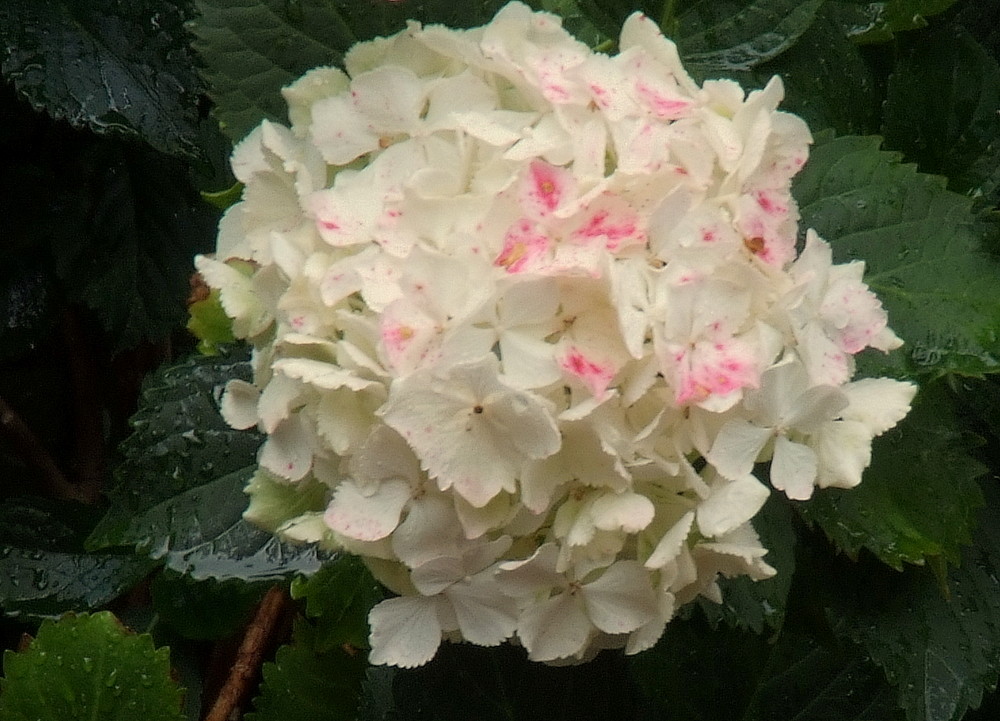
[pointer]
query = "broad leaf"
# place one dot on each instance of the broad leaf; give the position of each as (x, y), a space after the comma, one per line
(89, 667)
(44, 571)
(918, 499)
(697, 673)
(941, 109)
(306, 684)
(124, 224)
(203, 609)
(466, 682)
(876, 22)
(756, 605)
(179, 496)
(923, 251)
(110, 66)
(940, 648)
(718, 37)
(339, 598)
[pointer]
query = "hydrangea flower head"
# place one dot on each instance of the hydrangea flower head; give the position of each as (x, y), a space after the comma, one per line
(525, 319)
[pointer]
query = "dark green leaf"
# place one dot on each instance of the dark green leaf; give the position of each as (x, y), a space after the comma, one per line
(941, 109)
(89, 667)
(339, 598)
(697, 673)
(179, 496)
(940, 651)
(918, 499)
(203, 609)
(38, 583)
(108, 65)
(876, 22)
(827, 81)
(757, 605)
(498, 684)
(717, 37)
(923, 249)
(124, 231)
(306, 684)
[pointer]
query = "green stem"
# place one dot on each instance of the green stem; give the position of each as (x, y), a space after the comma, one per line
(668, 23)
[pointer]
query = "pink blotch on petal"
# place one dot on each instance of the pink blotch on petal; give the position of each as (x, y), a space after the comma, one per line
(594, 375)
(544, 188)
(524, 245)
(662, 105)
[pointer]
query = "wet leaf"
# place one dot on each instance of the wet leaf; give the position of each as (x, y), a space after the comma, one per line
(919, 498)
(924, 253)
(939, 648)
(179, 493)
(89, 667)
(715, 37)
(204, 610)
(877, 22)
(110, 66)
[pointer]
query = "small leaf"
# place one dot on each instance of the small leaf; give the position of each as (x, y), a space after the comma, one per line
(924, 254)
(110, 66)
(339, 597)
(210, 324)
(89, 667)
(939, 651)
(918, 499)
(306, 684)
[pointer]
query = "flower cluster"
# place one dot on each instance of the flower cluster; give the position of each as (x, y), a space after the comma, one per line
(525, 317)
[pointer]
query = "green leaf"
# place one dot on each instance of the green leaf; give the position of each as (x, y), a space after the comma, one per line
(46, 584)
(110, 66)
(210, 324)
(204, 610)
(697, 673)
(306, 684)
(715, 37)
(466, 682)
(124, 224)
(941, 109)
(756, 605)
(940, 651)
(179, 496)
(89, 667)
(252, 49)
(339, 597)
(923, 249)
(827, 81)
(919, 497)
(876, 22)
(43, 569)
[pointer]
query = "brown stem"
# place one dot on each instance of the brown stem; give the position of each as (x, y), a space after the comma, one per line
(250, 655)
(34, 453)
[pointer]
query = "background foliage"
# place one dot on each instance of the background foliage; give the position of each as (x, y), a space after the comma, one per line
(121, 488)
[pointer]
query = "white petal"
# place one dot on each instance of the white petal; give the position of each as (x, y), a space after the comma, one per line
(629, 512)
(737, 447)
(367, 516)
(731, 504)
(485, 615)
(288, 450)
(555, 628)
(239, 404)
(405, 632)
(671, 543)
(878, 403)
(622, 599)
(844, 449)
(793, 469)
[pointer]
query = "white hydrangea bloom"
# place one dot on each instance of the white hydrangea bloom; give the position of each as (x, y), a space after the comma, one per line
(525, 317)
